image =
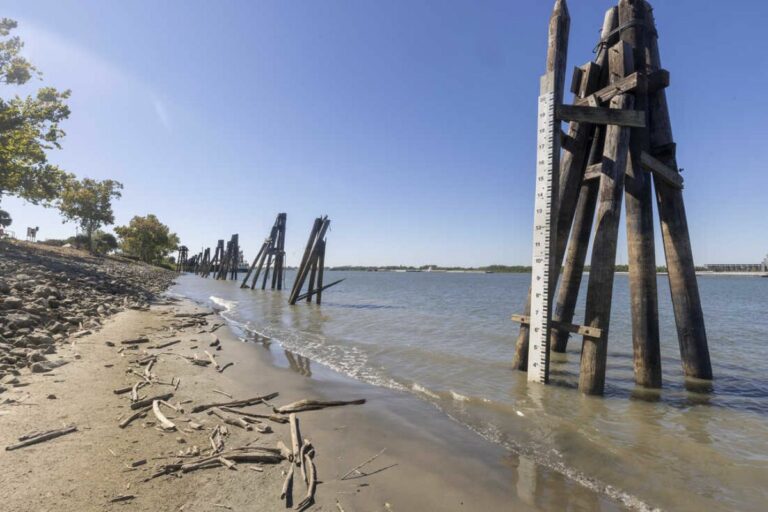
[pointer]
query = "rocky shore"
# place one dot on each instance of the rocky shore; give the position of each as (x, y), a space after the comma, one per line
(49, 295)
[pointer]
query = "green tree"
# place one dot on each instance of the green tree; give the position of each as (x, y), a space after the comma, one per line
(89, 203)
(5, 219)
(104, 243)
(147, 239)
(29, 127)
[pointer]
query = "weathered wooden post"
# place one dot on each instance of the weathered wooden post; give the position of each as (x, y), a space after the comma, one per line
(309, 262)
(581, 227)
(689, 317)
(600, 290)
(639, 209)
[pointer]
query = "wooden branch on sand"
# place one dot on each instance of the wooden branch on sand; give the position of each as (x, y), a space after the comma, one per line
(360, 466)
(295, 448)
(236, 403)
(272, 417)
(285, 492)
(39, 438)
(213, 360)
(148, 402)
(165, 423)
(313, 405)
(138, 414)
(312, 481)
(230, 420)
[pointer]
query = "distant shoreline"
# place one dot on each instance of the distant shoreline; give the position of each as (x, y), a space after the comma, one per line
(500, 269)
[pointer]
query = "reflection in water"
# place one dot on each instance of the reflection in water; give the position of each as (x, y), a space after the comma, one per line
(447, 339)
(298, 363)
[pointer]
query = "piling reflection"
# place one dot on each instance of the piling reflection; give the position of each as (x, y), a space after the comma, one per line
(297, 363)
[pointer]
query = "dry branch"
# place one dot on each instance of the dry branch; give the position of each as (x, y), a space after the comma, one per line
(312, 405)
(39, 438)
(165, 423)
(236, 403)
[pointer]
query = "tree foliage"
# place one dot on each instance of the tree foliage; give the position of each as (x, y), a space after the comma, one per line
(29, 127)
(5, 219)
(147, 239)
(89, 203)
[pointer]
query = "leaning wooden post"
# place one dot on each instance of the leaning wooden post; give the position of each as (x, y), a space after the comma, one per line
(600, 290)
(307, 250)
(253, 265)
(639, 208)
(311, 255)
(689, 317)
(544, 275)
(313, 274)
(320, 271)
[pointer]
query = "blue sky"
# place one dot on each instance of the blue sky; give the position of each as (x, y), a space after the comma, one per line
(410, 123)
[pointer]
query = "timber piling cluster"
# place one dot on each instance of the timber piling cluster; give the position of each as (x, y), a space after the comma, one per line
(618, 149)
(227, 260)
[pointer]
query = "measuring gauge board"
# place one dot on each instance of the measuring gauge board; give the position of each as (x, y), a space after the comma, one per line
(544, 233)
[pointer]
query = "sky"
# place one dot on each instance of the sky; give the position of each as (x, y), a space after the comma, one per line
(411, 123)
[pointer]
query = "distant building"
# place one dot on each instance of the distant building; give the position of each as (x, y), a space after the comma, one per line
(739, 267)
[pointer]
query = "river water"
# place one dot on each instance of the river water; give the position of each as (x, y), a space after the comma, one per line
(447, 338)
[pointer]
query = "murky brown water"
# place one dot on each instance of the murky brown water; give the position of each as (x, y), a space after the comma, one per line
(446, 338)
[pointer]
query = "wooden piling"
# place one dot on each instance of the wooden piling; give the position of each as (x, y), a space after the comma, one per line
(689, 317)
(639, 223)
(320, 271)
(600, 289)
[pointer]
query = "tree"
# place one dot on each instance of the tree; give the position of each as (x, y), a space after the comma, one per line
(89, 203)
(104, 243)
(147, 238)
(29, 127)
(5, 219)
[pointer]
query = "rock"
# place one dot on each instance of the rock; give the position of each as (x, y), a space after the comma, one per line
(4, 287)
(51, 397)
(9, 380)
(38, 338)
(36, 356)
(12, 303)
(39, 368)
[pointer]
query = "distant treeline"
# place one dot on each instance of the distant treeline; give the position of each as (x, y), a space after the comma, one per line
(496, 269)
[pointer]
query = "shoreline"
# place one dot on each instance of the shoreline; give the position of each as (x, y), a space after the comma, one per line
(428, 460)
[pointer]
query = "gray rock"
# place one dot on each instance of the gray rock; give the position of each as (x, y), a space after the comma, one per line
(12, 303)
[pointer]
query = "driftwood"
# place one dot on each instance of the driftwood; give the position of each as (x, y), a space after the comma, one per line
(165, 423)
(249, 454)
(29, 440)
(148, 401)
(285, 451)
(136, 341)
(230, 420)
(313, 405)
(285, 492)
(295, 436)
(138, 414)
(122, 497)
(217, 439)
(213, 360)
(312, 481)
(272, 417)
(236, 403)
(166, 344)
(305, 447)
(360, 466)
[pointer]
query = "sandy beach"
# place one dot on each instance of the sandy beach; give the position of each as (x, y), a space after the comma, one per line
(425, 461)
